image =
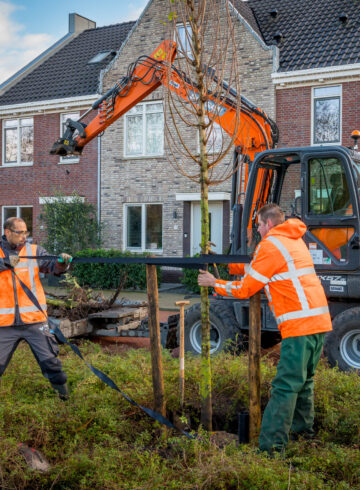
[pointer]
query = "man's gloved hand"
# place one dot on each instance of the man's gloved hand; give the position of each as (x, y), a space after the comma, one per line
(14, 260)
(64, 259)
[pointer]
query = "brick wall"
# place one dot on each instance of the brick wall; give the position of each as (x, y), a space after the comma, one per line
(147, 180)
(293, 114)
(23, 185)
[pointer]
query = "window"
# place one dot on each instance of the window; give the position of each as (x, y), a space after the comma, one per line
(98, 58)
(215, 141)
(183, 39)
(144, 130)
(143, 227)
(18, 137)
(328, 189)
(327, 115)
(24, 212)
(63, 118)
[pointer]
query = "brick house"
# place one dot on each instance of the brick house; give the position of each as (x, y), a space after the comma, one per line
(299, 61)
(35, 103)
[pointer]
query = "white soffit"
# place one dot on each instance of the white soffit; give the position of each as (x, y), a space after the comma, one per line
(195, 196)
(316, 75)
(43, 106)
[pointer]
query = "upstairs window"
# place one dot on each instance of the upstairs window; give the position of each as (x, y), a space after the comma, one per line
(18, 137)
(326, 115)
(183, 40)
(144, 130)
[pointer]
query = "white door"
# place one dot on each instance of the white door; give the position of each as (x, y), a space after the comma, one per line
(216, 226)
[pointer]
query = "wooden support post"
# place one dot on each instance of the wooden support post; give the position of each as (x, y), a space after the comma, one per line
(155, 343)
(254, 367)
(182, 352)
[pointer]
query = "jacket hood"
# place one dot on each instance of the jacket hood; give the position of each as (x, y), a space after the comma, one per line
(291, 228)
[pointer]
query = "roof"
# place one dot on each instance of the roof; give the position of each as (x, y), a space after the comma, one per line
(67, 73)
(313, 36)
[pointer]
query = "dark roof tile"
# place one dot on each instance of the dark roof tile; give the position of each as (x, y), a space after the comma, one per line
(67, 72)
(311, 30)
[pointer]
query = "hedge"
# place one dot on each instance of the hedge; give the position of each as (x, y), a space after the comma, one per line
(107, 276)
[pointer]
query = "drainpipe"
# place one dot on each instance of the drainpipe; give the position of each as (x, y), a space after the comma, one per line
(99, 180)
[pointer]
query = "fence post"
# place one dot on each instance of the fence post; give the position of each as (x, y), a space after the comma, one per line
(182, 351)
(254, 366)
(155, 342)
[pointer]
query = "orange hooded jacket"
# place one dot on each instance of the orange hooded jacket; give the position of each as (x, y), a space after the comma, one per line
(283, 266)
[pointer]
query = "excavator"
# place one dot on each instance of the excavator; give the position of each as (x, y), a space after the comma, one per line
(319, 185)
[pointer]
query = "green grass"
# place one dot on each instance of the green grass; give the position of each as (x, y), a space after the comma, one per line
(98, 440)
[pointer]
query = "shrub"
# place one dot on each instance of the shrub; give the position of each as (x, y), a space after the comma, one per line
(108, 276)
(70, 226)
(190, 276)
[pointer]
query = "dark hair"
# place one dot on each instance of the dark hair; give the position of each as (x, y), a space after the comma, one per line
(273, 212)
(9, 223)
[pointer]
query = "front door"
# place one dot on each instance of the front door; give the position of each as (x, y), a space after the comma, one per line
(216, 226)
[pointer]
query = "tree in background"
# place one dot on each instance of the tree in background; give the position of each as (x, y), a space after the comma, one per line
(204, 33)
(71, 224)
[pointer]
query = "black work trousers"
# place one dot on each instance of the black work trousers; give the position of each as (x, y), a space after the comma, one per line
(43, 345)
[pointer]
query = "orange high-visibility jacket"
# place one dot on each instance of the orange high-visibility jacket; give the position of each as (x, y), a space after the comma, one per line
(12, 293)
(283, 266)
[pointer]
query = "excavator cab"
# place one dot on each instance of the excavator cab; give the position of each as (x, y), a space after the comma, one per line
(319, 185)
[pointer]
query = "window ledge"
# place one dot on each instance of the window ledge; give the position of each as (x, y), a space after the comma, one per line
(8, 165)
(67, 162)
(141, 157)
(144, 250)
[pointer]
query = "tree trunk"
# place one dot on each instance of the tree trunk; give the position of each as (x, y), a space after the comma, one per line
(205, 382)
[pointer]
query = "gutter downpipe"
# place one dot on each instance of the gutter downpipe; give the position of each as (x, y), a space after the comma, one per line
(99, 181)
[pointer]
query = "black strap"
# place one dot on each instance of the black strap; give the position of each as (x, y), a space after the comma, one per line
(184, 262)
(58, 333)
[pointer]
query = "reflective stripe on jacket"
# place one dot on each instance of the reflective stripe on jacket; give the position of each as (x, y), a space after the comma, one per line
(27, 270)
(283, 266)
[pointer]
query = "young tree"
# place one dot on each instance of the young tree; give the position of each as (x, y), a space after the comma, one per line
(204, 33)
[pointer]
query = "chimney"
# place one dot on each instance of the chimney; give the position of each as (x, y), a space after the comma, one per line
(78, 23)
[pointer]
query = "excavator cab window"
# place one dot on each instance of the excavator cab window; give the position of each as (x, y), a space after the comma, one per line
(329, 200)
(328, 189)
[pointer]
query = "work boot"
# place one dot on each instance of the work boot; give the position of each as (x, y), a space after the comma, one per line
(62, 391)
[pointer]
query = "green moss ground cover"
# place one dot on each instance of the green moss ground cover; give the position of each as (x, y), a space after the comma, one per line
(97, 440)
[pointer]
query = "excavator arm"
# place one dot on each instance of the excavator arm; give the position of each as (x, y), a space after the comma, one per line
(256, 131)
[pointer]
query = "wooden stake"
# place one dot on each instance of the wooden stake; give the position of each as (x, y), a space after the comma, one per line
(155, 343)
(182, 352)
(254, 366)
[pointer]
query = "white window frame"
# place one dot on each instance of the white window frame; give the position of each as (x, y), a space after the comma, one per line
(144, 154)
(143, 227)
(336, 93)
(72, 158)
(18, 163)
(4, 206)
(188, 52)
(219, 131)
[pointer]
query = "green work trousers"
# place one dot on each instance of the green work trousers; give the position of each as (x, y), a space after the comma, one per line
(291, 404)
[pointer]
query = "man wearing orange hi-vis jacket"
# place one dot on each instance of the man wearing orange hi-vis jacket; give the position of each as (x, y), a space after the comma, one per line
(283, 266)
(20, 318)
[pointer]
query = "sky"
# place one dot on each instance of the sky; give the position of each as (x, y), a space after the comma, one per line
(29, 27)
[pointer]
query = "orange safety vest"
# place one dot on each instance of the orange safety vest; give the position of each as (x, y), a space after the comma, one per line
(283, 266)
(27, 270)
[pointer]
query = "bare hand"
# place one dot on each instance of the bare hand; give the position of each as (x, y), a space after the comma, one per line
(205, 279)
(14, 260)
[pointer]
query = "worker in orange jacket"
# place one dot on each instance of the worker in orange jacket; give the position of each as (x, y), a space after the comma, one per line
(20, 318)
(283, 266)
